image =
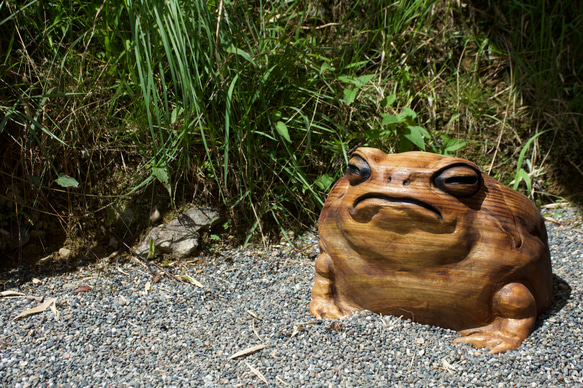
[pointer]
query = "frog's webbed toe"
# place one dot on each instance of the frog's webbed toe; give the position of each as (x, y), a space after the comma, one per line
(501, 335)
(515, 310)
(325, 309)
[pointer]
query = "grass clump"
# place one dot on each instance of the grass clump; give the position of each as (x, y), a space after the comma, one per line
(255, 107)
(543, 44)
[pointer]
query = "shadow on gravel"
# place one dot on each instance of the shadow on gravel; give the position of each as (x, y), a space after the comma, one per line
(12, 277)
(562, 291)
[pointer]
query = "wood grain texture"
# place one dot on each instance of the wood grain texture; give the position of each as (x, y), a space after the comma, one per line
(431, 238)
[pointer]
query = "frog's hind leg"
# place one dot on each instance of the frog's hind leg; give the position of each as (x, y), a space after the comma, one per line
(515, 309)
(324, 291)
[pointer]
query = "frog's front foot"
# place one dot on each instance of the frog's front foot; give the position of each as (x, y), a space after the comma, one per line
(515, 310)
(323, 303)
(325, 308)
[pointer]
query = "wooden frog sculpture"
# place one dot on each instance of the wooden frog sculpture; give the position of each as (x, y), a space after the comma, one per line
(429, 237)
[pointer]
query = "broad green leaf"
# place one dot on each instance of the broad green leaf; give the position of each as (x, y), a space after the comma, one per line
(324, 181)
(415, 136)
(350, 95)
(390, 119)
(388, 100)
(454, 145)
(67, 181)
(407, 113)
(358, 82)
(363, 80)
(282, 130)
(424, 132)
(161, 173)
(325, 66)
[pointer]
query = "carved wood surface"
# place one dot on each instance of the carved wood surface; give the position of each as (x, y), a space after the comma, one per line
(431, 238)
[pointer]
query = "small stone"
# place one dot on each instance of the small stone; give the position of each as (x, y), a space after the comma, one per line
(64, 253)
(180, 237)
(155, 216)
(178, 332)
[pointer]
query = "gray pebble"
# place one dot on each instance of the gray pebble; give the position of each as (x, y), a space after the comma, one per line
(118, 334)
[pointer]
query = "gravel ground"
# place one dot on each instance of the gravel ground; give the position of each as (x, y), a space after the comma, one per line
(122, 333)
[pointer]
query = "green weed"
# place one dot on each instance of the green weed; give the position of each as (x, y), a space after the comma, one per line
(256, 106)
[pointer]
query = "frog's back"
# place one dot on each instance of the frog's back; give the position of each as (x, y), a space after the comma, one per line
(522, 222)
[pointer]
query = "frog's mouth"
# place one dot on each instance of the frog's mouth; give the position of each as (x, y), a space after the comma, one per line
(366, 206)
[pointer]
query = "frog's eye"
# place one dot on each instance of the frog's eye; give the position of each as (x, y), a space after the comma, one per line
(459, 181)
(357, 170)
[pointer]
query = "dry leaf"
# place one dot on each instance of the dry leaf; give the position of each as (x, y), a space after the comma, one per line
(447, 366)
(255, 331)
(257, 373)
(306, 323)
(191, 280)
(247, 351)
(55, 311)
(82, 289)
(148, 287)
(156, 278)
(35, 310)
(36, 281)
(253, 315)
(11, 293)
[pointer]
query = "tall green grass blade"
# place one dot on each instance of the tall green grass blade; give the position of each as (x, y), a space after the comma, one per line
(227, 128)
(15, 14)
(519, 171)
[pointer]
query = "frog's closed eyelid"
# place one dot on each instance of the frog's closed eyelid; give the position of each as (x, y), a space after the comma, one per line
(357, 163)
(358, 170)
(459, 180)
(352, 169)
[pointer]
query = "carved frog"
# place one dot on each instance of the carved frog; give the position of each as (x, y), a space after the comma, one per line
(430, 238)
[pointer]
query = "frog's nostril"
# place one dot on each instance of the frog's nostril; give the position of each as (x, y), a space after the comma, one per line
(389, 179)
(405, 182)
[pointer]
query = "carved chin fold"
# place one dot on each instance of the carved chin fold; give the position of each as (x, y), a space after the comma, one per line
(394, 209)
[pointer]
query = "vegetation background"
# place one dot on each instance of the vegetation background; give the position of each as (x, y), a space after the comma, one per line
(110, 109)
